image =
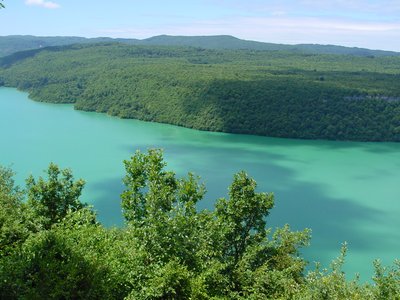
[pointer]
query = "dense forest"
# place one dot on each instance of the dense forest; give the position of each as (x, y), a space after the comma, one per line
(272, 93)
(15, 43)
(52, 246)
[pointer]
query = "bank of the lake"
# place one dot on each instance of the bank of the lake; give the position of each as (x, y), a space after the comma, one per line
(343, 191)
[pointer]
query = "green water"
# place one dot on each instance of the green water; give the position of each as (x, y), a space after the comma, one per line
(343, 191)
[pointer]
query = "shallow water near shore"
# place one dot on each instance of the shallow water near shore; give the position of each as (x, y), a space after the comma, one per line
(343, 191)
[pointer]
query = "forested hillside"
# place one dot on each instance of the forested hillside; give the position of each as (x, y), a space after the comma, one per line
(272, 93)
(52, 246)
(16, 43)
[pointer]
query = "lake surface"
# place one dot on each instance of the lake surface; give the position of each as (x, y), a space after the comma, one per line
(343, 191)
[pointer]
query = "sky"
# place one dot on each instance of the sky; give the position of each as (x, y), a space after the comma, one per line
(373, 24)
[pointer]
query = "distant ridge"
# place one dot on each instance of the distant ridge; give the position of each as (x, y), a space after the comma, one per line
(231, 42)
(15, 43)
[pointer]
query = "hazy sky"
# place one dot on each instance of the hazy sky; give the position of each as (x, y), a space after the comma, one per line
(363, 23)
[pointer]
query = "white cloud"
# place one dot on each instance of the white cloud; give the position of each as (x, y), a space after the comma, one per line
(43, 3)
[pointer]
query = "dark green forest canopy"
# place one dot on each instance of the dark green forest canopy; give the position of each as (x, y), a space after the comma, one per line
(271, 93)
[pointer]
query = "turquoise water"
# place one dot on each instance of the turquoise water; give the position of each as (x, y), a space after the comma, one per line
(343, 191)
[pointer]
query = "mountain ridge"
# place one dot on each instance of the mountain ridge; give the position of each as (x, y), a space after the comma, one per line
(15, 43)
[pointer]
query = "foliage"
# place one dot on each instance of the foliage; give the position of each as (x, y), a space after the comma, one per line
(272, 93)
(387, 281)
(54, 198)
(167, 249)
(12, 227)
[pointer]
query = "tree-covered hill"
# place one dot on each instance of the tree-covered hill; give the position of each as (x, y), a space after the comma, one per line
(233, 43)
(16, 43)
(273, 93)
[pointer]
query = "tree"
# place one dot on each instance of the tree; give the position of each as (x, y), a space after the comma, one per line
(161, 208)
(10, 195)
(11, 207)
(53, 198)
(257, 264)
(223, 252)
(168, 250)
(243, 215)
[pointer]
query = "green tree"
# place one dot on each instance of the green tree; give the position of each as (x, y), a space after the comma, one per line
(256, 264)
(243, 216)
(161, 209)
(387, 281)
(53, 198)
(223, 252)
(52, 247)
(12, 228)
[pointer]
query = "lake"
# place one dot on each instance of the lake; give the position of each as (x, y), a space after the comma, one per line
(343, 191)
